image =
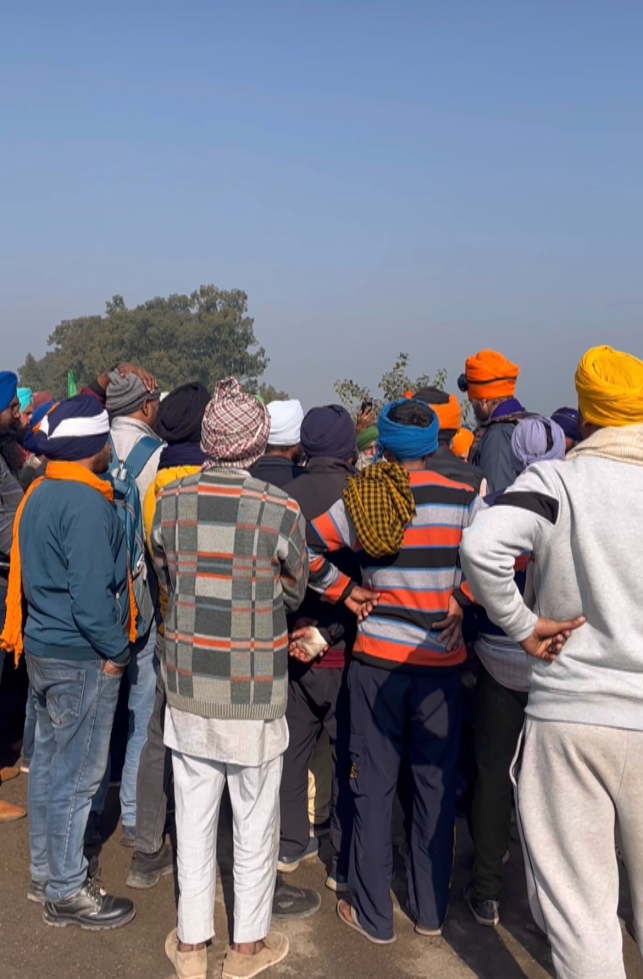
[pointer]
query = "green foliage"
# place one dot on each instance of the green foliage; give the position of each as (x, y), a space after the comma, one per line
(393, 385)
(270, 393)
(201, 337)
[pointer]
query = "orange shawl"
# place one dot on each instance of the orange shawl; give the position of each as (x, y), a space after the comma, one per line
(11, 638)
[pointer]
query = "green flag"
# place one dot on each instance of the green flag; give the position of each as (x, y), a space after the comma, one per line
(72, 387)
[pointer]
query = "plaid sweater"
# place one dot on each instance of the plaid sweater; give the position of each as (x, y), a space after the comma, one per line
(230, 552)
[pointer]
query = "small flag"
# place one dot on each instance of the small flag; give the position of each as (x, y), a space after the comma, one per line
(72, 387)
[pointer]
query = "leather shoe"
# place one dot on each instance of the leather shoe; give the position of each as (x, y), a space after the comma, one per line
(91, 909)
(8, 812)
(6, 774)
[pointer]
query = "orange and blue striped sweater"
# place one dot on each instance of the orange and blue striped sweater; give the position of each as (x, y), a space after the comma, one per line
(415, 584)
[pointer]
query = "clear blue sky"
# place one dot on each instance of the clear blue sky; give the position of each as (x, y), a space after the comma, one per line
(434, 176)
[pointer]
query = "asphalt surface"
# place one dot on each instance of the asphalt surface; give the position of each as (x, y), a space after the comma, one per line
(320, 947)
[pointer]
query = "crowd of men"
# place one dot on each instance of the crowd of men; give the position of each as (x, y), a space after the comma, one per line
(292, 599)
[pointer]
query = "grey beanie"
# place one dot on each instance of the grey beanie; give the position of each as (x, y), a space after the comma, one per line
(126, 395)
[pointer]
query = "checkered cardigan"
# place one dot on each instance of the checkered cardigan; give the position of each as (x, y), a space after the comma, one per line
(230, 552)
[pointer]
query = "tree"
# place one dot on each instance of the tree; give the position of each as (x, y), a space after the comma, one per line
(394, 384)
(201, 337)
(268, 393)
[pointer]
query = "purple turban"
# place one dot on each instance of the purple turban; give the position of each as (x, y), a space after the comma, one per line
(536, 440)
(328, 432)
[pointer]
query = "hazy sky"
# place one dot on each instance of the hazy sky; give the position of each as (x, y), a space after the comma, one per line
(433, 176)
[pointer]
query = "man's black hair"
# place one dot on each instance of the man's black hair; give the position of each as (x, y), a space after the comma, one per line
(412, 414)
(432, 396)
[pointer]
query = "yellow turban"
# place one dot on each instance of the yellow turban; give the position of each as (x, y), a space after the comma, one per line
(610, 388)
(490, 376)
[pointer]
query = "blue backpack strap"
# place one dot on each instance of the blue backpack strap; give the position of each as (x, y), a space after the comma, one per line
(142, 453)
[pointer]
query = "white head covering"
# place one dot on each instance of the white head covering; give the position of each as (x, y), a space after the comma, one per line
(285, 422)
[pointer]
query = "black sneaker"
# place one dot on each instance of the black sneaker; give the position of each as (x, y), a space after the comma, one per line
(91, 909)
(485, 912)
(289, 864)
(36, 892)
(293, 903)
(147, 869)
(128, 837)
(93, 835)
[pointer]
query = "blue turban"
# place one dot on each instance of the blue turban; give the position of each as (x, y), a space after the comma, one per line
(569, 421)
(29, 440)
(408, 442)
(25, 398)
(73, 430)
(8, 388)
(328, 432)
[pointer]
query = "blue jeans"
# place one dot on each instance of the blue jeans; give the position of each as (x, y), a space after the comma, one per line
(140, 677)
(29, 734)
(75, 706)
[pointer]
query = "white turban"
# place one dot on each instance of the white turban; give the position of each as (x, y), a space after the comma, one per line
(285, 422)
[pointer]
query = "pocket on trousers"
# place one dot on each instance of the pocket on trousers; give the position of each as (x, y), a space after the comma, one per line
(63, 689)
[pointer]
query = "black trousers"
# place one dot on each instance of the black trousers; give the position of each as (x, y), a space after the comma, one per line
(318, 700)
(154, 780)
(500, 715)
(417, 716)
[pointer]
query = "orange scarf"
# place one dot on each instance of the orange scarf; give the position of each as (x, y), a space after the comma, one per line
(11, 638)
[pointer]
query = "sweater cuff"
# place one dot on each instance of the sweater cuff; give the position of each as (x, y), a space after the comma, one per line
(464, 596)
(348, 591)
(523, 627)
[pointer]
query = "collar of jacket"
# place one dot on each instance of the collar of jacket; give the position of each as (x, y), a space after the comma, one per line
(326, 464)
(618, 444)
(124, 423)
(510, 407)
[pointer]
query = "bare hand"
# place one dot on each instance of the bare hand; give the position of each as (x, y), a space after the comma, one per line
(113, 669)
(364, 420)
(549, 637)
(361, 602)
(296, 651)
(451, 626)
(148, 379)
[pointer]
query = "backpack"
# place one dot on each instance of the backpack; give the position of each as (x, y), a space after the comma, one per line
(127, 501)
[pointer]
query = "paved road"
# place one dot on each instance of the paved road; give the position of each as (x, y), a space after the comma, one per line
(321, 947)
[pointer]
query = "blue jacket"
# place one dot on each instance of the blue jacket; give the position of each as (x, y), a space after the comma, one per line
(493, 454)
(74, 574)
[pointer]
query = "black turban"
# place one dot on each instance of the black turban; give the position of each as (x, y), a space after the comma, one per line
(181, 413)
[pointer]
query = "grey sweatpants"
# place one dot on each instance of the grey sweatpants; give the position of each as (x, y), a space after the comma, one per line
(574, 784)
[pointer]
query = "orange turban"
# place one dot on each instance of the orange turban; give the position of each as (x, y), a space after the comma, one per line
(462, 442)
(490, 375)
(449, 414)
(610, 388)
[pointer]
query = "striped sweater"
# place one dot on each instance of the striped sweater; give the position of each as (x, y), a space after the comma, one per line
(230, 552)
(415, 584)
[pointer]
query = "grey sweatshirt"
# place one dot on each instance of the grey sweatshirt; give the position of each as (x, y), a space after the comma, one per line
(582, 521)
(126, 432)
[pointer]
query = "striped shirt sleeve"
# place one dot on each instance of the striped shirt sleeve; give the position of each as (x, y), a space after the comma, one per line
(330, 532)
